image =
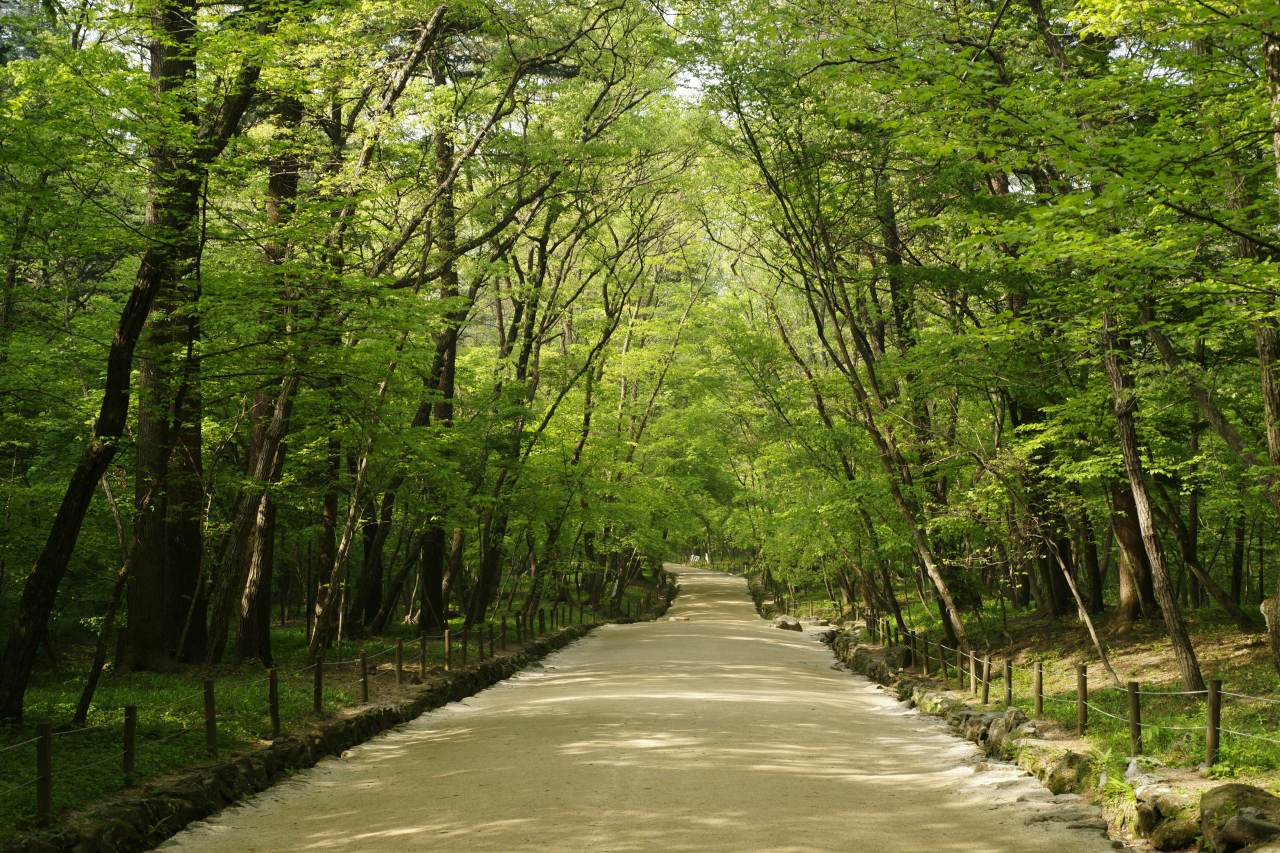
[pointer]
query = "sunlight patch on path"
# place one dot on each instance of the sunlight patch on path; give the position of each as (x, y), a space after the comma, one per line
(715, 734)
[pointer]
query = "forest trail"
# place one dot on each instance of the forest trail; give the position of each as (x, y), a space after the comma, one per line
(719, 733)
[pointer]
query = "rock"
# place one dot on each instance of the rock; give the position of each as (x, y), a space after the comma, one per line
(31, 844)
(1074, 815)
(1147, 820)
(1242, 830)
(1005, 730)
(677, 618)
(787, 623)
(1169, 804)
(1134, 776)
(1068, 798)
(1061, 772)
(898, 657)
(1175, 834)
(1272, 846)
(815, 621)
(1146, 793)
(865, 661)
(824, 635)
(1252, 809)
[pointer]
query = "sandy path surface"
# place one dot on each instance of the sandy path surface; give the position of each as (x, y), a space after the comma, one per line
(715, 734)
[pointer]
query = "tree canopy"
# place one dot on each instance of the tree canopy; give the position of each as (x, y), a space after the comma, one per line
(393, 310)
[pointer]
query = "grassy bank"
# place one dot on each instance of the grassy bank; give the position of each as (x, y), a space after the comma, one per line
(88, 762)
(1173, 725)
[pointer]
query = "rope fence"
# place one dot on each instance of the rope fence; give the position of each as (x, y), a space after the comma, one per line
(485, 640)
(883, 631)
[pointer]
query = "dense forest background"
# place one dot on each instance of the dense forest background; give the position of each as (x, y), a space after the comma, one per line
(356, 312)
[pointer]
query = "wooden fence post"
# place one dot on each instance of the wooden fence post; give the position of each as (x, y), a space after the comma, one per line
(973, 672)
(364, 678)
(1008, 683)
(44, 772)
(504, 633)
(1037, 689)
(986, 680)
(448, 651)
(210, 719)
(130, 741)
(273, 702)
(399, 662)
(1213, 720)
(1082, 697)
(924, 653)
(1135, 719)
(959, 670)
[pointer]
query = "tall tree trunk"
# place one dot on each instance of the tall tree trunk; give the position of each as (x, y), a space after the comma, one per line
(1136, 593)
(1125, 405)
(228, 598)
(1237, 559)
(1089, 549)
(174, 179)
(184, 518)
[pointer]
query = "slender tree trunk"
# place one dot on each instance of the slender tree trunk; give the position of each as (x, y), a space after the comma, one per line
(228, 598)
(174, 181)
(1125, 406)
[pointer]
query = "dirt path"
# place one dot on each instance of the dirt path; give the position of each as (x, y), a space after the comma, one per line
(715, 734)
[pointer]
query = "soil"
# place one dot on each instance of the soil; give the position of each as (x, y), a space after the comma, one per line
(714, 734)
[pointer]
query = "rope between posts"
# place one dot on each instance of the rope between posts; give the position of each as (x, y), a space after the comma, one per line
(88, 728)
(1173, 692)
(16, 745)
(19, 787)
(179, 702)
(1246, 696)
(1105, 713)
(1246, 734)
(1175, 728)
(87, 766)
(167, 737)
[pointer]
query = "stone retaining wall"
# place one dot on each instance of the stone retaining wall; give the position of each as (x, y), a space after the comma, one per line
(144, 822)
(1231, 818)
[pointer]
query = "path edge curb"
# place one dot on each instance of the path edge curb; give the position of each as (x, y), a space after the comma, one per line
(145, 822)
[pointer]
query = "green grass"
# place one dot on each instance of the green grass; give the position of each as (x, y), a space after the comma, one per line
(87, 764)
(1173, 725)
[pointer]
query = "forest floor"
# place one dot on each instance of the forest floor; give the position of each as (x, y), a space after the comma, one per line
(1173, 725)
(718, 733)
(87, 761)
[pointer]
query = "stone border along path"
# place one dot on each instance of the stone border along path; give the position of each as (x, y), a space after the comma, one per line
(129, 825)
(718, 733)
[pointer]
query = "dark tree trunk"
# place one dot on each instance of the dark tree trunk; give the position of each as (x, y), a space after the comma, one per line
(433, 562)
(185, 528)
(1136, 596)
(1089, 549)
(1237, 560)
(174, 181)
(1125, 405)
